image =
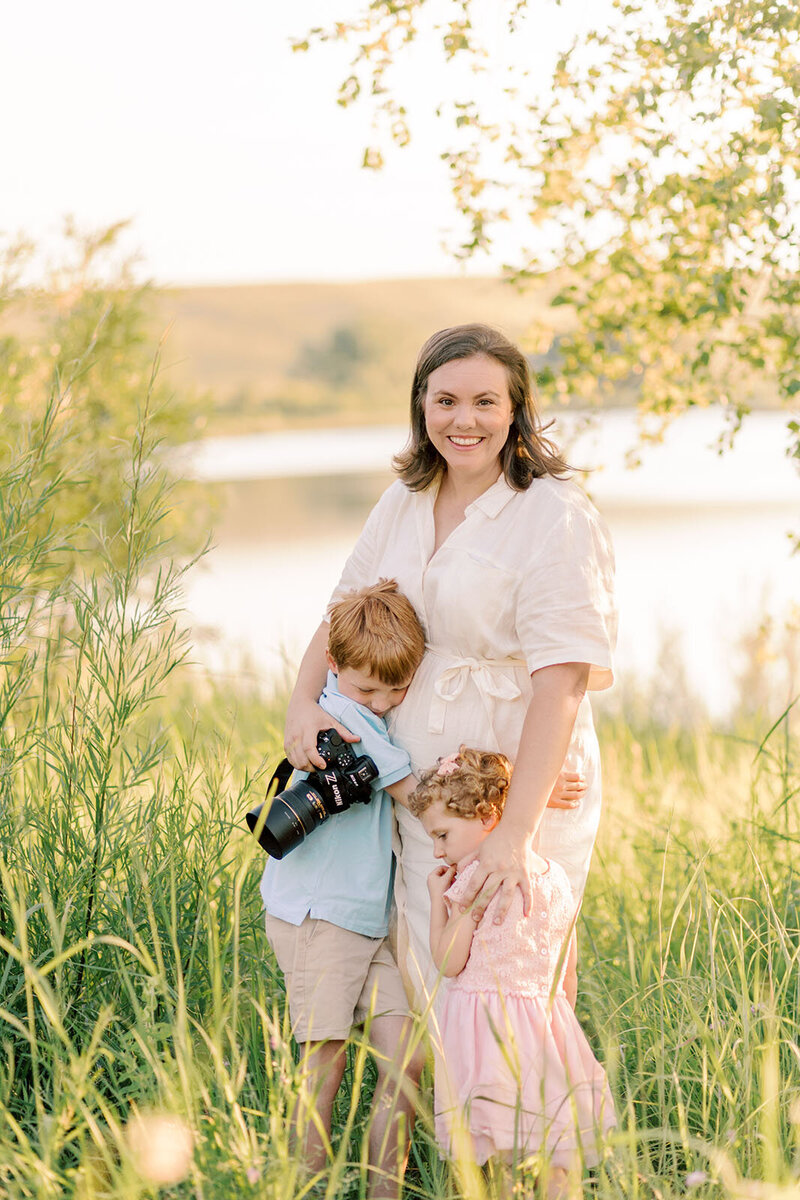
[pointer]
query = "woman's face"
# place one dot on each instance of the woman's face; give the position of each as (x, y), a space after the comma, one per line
(468, 413)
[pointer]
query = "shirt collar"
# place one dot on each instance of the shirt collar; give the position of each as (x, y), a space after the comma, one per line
(332, 684)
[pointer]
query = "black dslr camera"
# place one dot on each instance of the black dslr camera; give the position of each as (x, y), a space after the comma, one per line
(296, 812)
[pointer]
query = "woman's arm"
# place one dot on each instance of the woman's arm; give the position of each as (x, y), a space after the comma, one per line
(546, 734)
(304, 717)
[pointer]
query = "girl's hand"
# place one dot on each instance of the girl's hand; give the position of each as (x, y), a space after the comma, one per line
(505, 862)
(304, 720)
(569, 790)
(439, 881)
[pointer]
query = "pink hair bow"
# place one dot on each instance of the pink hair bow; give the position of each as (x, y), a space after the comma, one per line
(448, 765)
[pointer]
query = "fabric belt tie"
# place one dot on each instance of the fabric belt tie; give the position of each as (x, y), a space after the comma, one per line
(484, 673)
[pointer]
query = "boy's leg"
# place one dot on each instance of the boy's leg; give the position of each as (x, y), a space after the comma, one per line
(335, 978)
(399, 1060)
(324, 969)
(323, 1066)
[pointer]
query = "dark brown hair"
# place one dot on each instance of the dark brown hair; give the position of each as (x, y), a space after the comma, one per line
(527, 453)
(377, 629)
(475, 787)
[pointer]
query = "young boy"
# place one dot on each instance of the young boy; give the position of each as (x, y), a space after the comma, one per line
(328, 901)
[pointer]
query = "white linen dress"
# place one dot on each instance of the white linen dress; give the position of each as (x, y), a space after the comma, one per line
(525, 581)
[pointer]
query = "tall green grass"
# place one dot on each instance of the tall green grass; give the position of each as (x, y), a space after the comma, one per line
(139, 1003)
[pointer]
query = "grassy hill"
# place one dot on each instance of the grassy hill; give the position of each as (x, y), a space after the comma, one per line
(268, 356)
(273, 356)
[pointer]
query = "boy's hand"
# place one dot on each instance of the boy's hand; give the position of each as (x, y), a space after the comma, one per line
(439, 881)
(304, 720)
(569, 790)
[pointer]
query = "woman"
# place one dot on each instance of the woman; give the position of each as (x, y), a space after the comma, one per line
(510, 569)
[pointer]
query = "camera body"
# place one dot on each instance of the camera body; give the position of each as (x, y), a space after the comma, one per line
(301, 808)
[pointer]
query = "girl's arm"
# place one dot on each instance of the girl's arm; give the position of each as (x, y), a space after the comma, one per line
(451, 931)
(546, 733)
(304, 717)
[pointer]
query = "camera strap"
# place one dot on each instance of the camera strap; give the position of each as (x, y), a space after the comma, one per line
(281, 775)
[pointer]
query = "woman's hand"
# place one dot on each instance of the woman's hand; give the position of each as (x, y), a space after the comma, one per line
(569, 790)
(505, 862)
(505, 856)
(304, 720)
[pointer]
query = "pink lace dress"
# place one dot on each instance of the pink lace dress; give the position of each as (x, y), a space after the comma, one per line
(514, 1071)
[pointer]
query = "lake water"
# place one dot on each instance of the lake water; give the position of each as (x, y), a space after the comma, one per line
(702, 542)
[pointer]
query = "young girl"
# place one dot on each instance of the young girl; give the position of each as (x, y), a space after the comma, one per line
(514, 1071)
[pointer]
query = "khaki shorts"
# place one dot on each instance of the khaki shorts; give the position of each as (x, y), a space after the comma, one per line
(335, 978)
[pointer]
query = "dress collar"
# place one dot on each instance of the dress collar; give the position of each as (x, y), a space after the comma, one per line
(492, 502)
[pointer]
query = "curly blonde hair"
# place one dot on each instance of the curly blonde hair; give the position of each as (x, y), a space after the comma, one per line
(472, 783)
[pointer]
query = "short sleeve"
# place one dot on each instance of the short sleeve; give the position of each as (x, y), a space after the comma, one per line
(360, 569)
(565, 605)
(392, 762)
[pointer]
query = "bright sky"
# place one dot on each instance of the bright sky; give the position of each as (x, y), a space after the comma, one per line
(226, 150)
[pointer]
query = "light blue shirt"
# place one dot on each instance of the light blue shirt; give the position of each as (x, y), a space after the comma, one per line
(343, 871)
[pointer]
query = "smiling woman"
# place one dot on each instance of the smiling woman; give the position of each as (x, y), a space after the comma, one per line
(468, 415)
(509, 568)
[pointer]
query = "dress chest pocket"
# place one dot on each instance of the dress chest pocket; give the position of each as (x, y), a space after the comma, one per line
(474, 600)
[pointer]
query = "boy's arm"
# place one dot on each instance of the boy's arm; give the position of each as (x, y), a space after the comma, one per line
(392, 763)
(451, 931)
(401, 790)
(390, 760)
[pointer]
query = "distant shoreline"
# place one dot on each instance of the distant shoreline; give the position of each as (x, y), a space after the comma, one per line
(682, 469)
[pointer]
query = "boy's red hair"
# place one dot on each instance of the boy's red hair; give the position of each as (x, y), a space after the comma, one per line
(376, 629)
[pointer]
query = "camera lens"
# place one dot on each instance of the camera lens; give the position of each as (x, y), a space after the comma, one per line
(297, 811)
(292, 816)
